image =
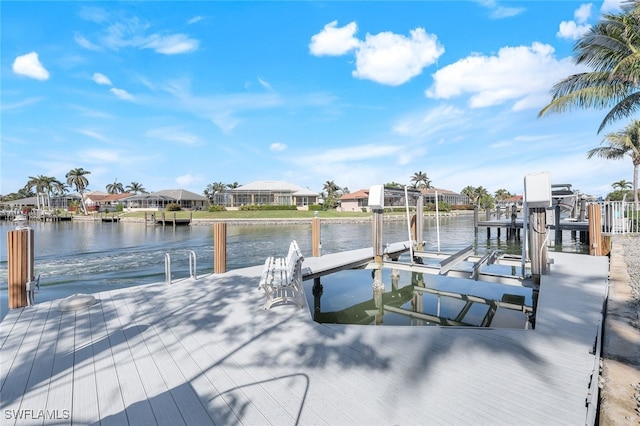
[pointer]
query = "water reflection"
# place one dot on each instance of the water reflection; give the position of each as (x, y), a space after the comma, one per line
(412, 298)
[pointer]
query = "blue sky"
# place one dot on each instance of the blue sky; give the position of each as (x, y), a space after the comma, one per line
(184, 94)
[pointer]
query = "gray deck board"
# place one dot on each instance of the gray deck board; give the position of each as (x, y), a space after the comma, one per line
(205, 352)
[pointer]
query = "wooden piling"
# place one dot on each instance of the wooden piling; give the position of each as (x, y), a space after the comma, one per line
(19, 264)
(595, 230)
(219, 248)
(315, 237)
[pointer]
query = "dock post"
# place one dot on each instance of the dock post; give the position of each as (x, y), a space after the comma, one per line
(595, 230)
(475, 221)
(19, 265)
(376, 224)
(537, 239)
(315, 237)
(417, 224)
(512, 229)
(219, 247)
(558, 230)
(488, 218)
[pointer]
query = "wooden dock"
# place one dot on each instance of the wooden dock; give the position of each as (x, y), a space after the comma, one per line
(205, 352)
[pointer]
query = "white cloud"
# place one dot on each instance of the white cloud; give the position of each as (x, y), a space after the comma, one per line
(171, 45)
(188, 180)
(385, 58)
(277, 146)
(498, 11)
(265, 84)
(431, 121)
(575, 29)
(572, 31)
(334, 41)
(121, 94)
(394, 59)
(101, 79)
(583, 13)
(92, 134)
(522, 74)
(83, 42)
(609, 6)
(174, 134)
(29, 65)
(133, 32)
(194, 20)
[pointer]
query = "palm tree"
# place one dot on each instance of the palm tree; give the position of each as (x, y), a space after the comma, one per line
(77, 179)
(212, 189)
(44, 187)
(621, 143)
(621, 185)
(421, 180)
(470, 192)
(331, 200)
(115, 187)
(611, 48)
(136, 188)
(502, 194)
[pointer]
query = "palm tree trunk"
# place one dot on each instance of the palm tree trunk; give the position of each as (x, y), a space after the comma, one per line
(635, 184)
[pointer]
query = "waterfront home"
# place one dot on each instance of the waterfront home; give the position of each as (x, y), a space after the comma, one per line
(269, 193)
(355, 201)
(99, 201)
(444, 195)
(157, 201)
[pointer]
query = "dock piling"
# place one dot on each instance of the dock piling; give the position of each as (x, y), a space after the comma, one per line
(219, 248)
(19, 265)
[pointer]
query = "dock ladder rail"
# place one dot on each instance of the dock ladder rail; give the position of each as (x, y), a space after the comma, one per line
(193, 273)
(167, 268)
(193, 269)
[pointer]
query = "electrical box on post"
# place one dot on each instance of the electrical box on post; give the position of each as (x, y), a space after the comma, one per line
(376, 197)
(537, 190)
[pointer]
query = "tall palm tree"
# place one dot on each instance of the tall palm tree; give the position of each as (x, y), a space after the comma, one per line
(622, 185)
(502, 194)
(76, 178)
(136, 188)
(612, 49)
(115, 187)
(44, 187)
(421, 180)
(622, 143)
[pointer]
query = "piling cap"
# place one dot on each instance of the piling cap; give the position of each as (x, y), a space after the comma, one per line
(75, 302)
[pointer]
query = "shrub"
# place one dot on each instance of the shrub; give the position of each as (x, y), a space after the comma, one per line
(316, 207)
(254, 207)
(173, 207)
(217, 208)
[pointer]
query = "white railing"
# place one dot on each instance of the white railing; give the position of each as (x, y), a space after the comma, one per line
(620, 217)
(193, 269)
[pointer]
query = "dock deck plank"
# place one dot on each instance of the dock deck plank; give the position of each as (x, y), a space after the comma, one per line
(205, 352)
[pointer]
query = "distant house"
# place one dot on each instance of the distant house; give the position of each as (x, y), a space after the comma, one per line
(97, 200)
(355, 201)
(444, 195)
(271, 192)
(156, 201)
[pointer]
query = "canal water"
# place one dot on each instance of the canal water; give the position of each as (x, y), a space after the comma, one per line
(87, 257)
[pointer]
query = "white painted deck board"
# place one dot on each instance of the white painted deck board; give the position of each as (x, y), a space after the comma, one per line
(205, 352)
